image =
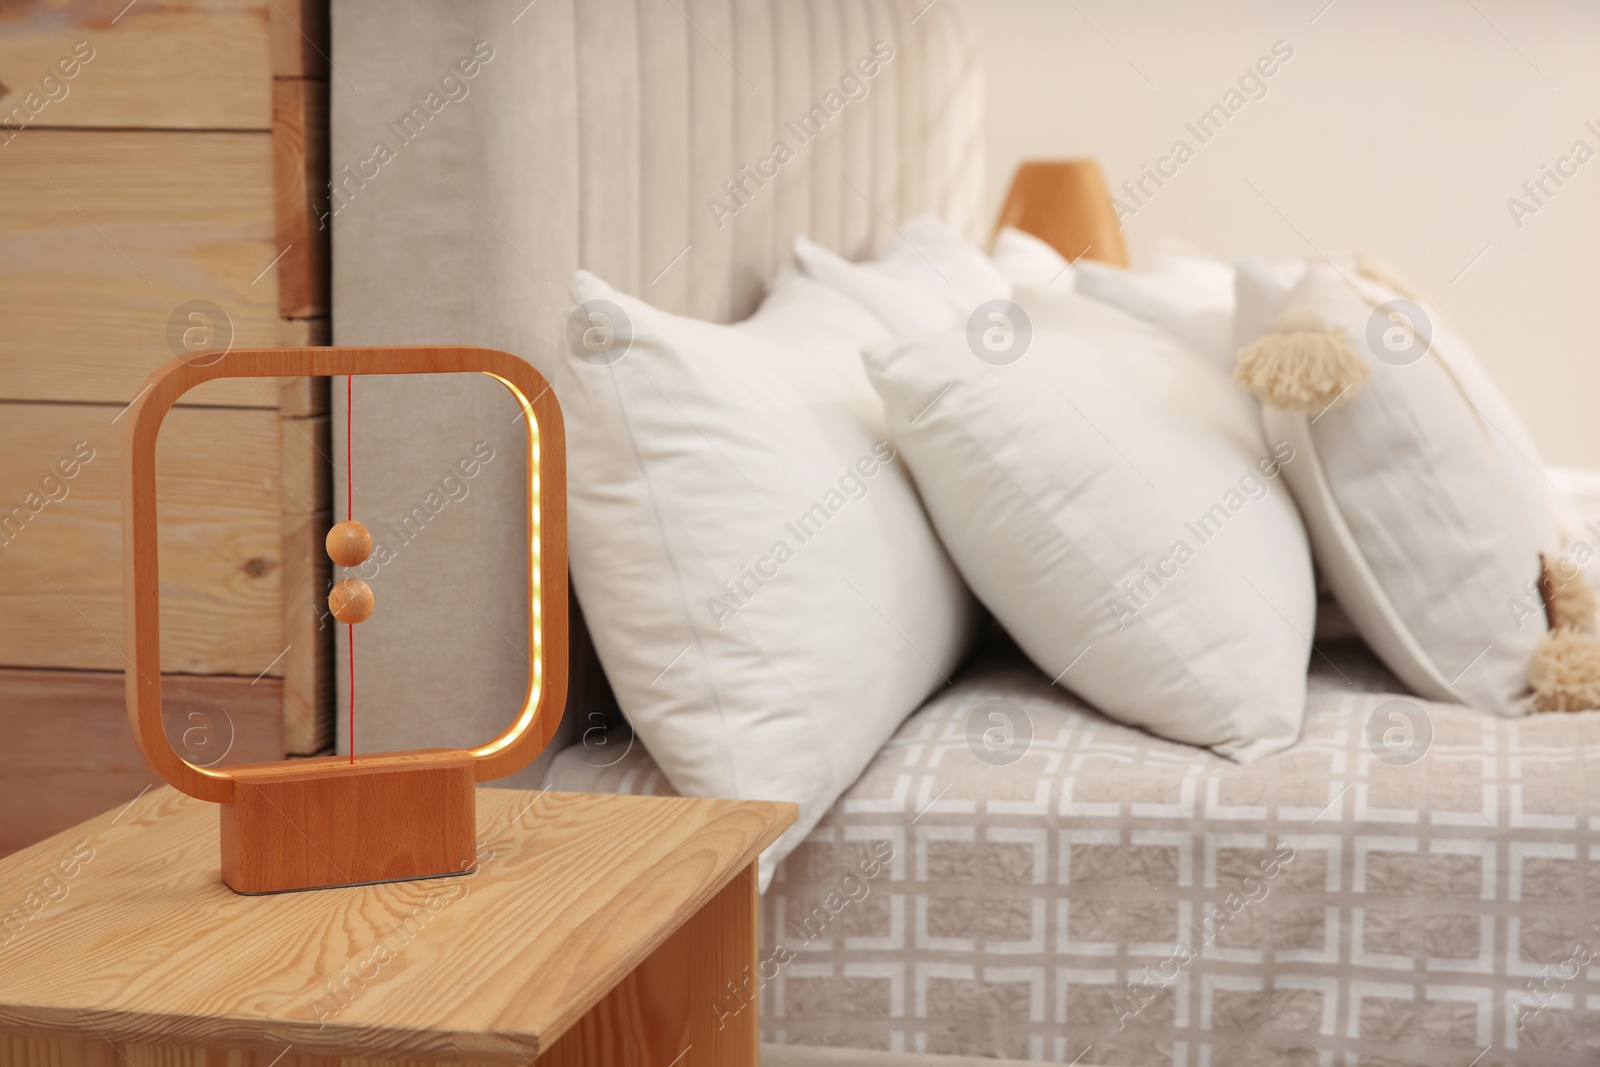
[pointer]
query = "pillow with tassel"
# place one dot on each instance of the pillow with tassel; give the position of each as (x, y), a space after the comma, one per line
(1420, 491)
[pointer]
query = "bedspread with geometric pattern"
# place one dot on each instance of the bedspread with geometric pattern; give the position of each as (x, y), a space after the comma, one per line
(1017, 876)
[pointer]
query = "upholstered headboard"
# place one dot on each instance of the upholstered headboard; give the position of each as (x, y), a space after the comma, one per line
(484, 150)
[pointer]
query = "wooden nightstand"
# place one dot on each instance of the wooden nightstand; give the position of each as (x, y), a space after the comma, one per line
(596, 930)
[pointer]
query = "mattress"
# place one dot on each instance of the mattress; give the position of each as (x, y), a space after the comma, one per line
(1017, 876)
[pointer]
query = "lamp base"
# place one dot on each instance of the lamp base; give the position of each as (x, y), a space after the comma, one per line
(321, 823)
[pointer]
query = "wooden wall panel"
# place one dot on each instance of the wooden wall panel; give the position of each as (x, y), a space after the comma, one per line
(307, 333)
(300, 164)
(298, 33)
(69, 754)
(222, 515)
(176, 64)
(177, 163)
(299, 39)
(104, 235)
(307, 665)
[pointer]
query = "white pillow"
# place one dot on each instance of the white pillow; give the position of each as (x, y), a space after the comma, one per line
(1263, 291)
(1023, 259)
(1185, 292)
(1407, 494)
(1577, 495)
(1064, 482)
(763, 588)
(925, 280)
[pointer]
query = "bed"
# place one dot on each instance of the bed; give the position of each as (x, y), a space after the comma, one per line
(1369, 897)
(1418, 910)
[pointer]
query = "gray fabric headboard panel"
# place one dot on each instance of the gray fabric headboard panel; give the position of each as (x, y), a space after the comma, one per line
(590, 133)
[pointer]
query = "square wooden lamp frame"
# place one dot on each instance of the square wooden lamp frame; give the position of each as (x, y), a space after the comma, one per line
(317, 823)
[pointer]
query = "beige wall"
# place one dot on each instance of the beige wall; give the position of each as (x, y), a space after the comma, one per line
(1396, 129)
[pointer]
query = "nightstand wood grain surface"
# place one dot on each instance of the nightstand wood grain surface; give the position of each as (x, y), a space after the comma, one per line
(595, 929)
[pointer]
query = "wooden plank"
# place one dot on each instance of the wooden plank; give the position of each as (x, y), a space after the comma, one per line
(308, 333)
(299, 39)
(667, 1009)
(300, 171)
(221, 512)
(178, 64)
(308, 633)
(43, 1052)
(106, 239)
(573, 892)
(97, 1052)
(655, 1016)
(302, 396)
(69, 755)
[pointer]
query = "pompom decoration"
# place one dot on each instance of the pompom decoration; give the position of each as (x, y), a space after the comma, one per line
(1565, 672)
(349, 544)
(1302, 365)
(1565, 668)
(351, 601)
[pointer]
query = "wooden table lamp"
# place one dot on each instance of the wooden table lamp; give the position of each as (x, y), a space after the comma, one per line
(315, 823)
(1066, 204)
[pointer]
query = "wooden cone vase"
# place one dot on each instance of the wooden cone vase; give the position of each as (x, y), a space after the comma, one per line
(1066, 204)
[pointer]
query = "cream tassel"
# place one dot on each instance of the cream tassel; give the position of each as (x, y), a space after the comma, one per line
(1565, 667)
(1302, 365)
(1565, 672)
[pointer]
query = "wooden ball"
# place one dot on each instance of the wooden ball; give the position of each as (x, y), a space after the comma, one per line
(348, 544)
(351, 601)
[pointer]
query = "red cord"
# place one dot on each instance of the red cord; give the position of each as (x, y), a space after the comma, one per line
(352, 631)
(349, 476)
(350, 513)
